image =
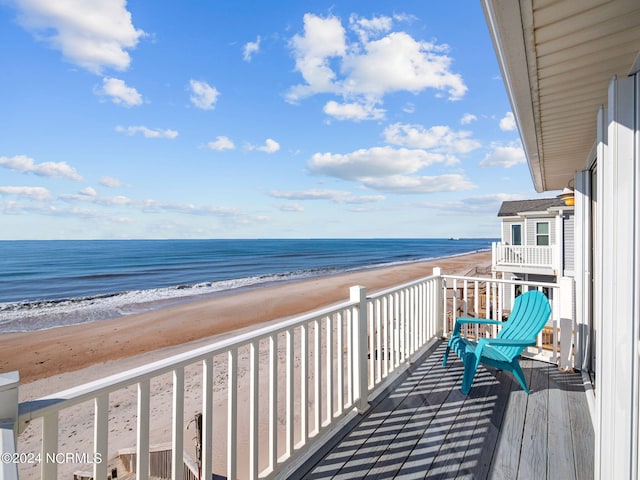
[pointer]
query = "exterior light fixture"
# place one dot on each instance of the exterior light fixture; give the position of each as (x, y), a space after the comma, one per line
(567, 195)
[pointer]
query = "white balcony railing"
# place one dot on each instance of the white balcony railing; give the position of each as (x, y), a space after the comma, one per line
(524, 255)
(291, 384)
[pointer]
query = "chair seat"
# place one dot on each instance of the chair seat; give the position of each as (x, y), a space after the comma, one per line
(463, 346)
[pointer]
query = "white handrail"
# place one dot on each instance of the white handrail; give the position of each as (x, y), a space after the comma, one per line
(332, 361)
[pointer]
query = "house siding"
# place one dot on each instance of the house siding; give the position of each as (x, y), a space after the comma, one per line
(569, 243)
(506, 230)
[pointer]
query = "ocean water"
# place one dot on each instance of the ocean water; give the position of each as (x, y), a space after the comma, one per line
(44, 284)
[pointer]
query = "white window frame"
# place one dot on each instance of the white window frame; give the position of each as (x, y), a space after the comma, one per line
(512, 236)
(539, 235)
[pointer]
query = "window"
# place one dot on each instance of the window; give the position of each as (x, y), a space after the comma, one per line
(516, 234)
(542, 233)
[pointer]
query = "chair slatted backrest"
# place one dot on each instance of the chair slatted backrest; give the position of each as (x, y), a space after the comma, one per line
(529, 315)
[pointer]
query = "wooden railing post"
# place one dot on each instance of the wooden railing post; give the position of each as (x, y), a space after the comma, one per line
(361, 380)
(9, 383)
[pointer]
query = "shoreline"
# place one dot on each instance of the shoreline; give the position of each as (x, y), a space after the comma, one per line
(67, 311)
(65, 349)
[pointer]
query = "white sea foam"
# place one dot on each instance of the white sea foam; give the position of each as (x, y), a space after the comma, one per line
(42, 314)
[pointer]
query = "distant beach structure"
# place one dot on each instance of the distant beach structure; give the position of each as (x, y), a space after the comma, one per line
(51, 283)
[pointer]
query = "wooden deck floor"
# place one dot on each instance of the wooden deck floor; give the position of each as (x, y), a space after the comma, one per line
(423, 427)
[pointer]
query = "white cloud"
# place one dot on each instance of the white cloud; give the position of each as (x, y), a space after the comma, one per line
(409, 108)
(420, 184)
(508, 122)
(323, 39)
(203, 95)
(91, 34)
(504, 156)
(335, 196)
(439, 138)
(119, 92)
(366, 69)
(33, 193)
(270, 146)
(111, 182)
(147, 132)
(373, 162)
(291, 207)
(22, 163)
(366, 28)
(477, 205)
(399, 62)
(89, 192)
(467, 118)
(93, 197)
(353, 111)
(250, 48)
(312, 194)
(221, 143)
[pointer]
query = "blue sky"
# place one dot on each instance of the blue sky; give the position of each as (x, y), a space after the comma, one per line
(226, 119)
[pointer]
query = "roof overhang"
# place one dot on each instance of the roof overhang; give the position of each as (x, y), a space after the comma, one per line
(557, 58)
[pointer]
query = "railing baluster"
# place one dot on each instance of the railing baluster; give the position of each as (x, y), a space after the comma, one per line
(317, 366)
(349, 356)
(403, 326)
(142, 453)
(254, 353)
(419, 318)
(101, 435)
(385, 324)
(339, 364)
(289, 391)
(476, 306)
(379, 349)
(207, 418)
(371, 347)
(454, 306)
(273, 402)
(177, 451)
(304, 383)
(397, 328)
(329, 367)
(232, 413)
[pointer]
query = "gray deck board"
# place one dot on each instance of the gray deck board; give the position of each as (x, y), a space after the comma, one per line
(533, 458)
(424, 428)
(561, 458)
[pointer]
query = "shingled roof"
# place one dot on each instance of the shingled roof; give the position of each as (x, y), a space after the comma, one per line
(511, 208)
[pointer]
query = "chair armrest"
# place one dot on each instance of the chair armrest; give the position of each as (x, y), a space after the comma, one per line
(469, 321)
(507, 342)
(484, 342)
(481, 321)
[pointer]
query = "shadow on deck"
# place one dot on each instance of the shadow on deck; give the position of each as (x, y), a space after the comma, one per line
(424, 427)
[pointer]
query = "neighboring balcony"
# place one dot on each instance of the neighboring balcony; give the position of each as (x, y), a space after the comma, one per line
(536, 259)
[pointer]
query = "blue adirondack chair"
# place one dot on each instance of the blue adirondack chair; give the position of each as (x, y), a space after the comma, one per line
(530, 313)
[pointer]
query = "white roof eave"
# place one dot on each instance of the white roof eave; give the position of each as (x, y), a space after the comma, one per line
(511, 51)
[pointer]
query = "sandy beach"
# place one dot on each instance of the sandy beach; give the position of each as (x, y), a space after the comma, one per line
(59, 358)
(65, 349)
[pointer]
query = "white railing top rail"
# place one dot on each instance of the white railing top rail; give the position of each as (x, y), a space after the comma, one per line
(503, 281)
(509, 245)
(403, 286)
(88, 391)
